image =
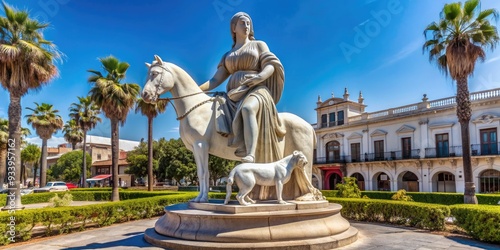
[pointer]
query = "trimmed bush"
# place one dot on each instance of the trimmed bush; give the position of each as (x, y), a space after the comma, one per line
(349, 189)
(482, 222)
(401, 195)
(65, 219)
(425, 216)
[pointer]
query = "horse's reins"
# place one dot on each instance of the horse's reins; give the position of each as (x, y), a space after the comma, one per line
(180, 97)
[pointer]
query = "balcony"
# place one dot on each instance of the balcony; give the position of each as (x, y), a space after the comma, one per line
(485, 149)
(324, 160)
(332, 124)
(443, 152)
(392, 155)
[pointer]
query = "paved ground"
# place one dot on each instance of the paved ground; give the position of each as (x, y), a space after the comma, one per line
(371, 236)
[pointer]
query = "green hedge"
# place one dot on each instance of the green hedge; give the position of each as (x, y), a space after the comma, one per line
(482, 222)
(86, 196)
(426, 197)
(65, 219)
(414, 214)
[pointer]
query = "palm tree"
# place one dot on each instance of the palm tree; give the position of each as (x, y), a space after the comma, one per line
(4, 135)
(85, 114)
(31, 154)
(72, 133)
(26, 62)
(46, 122)
(455, 43)
(150, 110)
(116, 100)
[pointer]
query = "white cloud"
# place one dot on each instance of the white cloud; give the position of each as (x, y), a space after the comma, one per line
(52, 142)
(406, 51)
(492, 59)
(174, 130)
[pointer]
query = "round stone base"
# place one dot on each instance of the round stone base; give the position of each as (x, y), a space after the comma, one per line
(330, 242)
(296, 225)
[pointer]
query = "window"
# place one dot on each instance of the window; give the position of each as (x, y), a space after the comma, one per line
(356, 152)
(332, 152)
(98, 156)
(340, 116)
(406, 146)
(489, 181)
(379, 149)
(489, 141)
(442, 145)
(103, 170)
(323, 121)
(332, 119)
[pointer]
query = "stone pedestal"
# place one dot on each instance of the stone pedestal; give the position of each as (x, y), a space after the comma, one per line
(266, 225)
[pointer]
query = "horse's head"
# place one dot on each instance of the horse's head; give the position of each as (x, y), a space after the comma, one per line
(159, 80)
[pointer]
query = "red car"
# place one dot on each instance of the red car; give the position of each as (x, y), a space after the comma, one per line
(71, 185)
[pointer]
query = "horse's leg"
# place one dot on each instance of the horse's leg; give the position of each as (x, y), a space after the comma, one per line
(200, 150)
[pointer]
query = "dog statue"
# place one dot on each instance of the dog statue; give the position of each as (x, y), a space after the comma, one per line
(247, 175)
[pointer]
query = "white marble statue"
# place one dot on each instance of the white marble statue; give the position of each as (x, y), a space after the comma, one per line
(243, 124)
(197, 128)
(247, 175)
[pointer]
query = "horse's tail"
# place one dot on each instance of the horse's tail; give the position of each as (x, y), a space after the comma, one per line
(229, 186)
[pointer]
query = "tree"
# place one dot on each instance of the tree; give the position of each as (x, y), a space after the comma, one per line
(116, 100)
(86, 114)
(219, 167)
(31, 154)
(150, 110)
(26, 62)
(177, 162)
(4, 136)
(455, 43)
(72, 133)
(138, 165)
(46, 122)
(68, 167)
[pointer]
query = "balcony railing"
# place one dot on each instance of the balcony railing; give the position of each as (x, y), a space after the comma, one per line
(443, 152)
(423, 106)
(485, 149)
(324, 160)
(332, 124)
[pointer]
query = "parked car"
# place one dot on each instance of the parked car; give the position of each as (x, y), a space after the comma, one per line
(26, 191)
(71, 185)
(53, 186)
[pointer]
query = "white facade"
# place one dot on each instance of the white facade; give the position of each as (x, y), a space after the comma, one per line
(416, 147)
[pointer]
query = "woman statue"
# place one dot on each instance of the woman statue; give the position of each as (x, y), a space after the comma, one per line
(256, 80)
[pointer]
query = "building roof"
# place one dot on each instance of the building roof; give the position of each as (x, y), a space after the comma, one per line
(121, 162)
(125, 145)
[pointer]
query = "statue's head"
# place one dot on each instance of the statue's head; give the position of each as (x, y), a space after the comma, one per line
(234, 21)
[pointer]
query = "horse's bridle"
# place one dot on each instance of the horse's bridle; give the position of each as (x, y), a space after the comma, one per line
(157, 92)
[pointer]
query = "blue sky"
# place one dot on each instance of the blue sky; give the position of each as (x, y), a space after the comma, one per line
(373, 46)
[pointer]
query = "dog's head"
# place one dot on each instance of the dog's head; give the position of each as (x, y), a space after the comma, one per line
(299, 159)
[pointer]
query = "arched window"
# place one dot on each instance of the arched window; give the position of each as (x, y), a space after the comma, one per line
(332, 152)
(489, 181)
(410, 182)
(360, 179)
(334, 180)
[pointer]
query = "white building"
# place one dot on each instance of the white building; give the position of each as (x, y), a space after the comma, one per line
(416, 147)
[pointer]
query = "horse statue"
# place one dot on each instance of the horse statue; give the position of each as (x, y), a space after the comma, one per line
(195, 112)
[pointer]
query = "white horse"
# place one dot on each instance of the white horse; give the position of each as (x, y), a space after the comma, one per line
(197, 126)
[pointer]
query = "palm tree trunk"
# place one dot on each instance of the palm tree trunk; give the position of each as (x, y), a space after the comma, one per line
(150, 154)
(84, 165)
(35, 169)
(14, 154)
(464, 111)
(23, 172)
(3, 164)
(43, 167)
(115, 196)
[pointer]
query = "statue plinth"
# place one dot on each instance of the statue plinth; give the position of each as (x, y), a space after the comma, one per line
(295, 225)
